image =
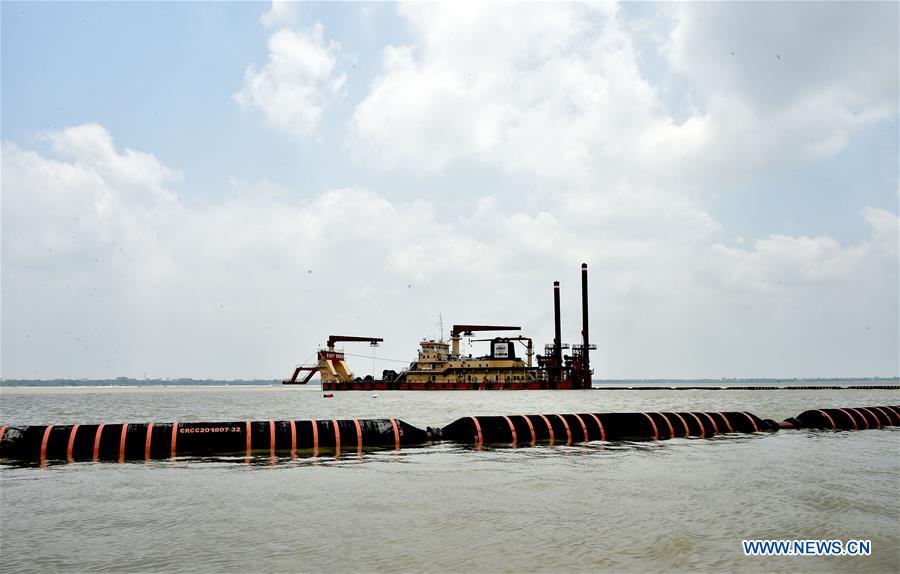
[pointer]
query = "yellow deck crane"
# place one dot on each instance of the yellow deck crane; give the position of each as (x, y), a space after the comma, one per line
(331, 366)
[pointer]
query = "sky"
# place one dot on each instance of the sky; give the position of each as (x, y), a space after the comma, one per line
(209, 190)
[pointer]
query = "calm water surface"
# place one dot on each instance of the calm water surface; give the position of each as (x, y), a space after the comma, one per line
(680, 505)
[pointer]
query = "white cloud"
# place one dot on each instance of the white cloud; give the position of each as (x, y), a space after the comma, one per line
(139, 174)
(58, 209)
(106, 273)
(551, 90)
(294, 88)
(557, 91)
(281, 13)
(884, 231)
(780, 82)
(779, 55)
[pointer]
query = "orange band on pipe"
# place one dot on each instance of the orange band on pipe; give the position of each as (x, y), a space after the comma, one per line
(122, 442)
(512, 429)
(531, 428)
(668, 424)
(568, 431)
(715, 427)
(397, 432)
(862, 416)
(248, 437)
(293, 438)
(174, 439)
(894, 410)
(874, 416)
(478, 439)
(272, 438)
(583, 427)
(653, 424)
(753, 422)
(687, 431)
(97, 442)
(890, 421)
(831, 420)
(44, 443)
(699, 422)
(2, 432)
(728, 424)
(862, 411)
(888, 413)
(315, 430)
(853, 420)
(149, 441)
(549, 428)
(337, 437)
(71, 444)
(358, 436)
(600, 425)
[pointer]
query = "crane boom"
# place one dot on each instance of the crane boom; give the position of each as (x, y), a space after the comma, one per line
(469, 329)
(332, 339)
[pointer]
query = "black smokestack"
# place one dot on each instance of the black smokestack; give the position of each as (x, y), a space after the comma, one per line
(584, 321)
(557, 339)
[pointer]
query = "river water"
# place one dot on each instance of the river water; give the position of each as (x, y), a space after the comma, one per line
(679, 505)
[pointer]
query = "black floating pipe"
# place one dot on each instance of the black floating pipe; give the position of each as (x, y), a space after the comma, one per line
(849, 418)
(586, 383)
(165, 440)
(583, 427)
(121, 442)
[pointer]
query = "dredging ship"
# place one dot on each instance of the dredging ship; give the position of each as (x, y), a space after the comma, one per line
(441, 366)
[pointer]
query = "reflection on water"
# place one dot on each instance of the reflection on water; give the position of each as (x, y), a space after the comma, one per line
(676, 505)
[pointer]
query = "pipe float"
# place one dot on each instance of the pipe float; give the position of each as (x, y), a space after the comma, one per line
(849, 418)
(584, 427)
(121, 442)
(109, 442)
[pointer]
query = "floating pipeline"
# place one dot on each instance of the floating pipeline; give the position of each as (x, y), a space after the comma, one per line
(849, 418)
(121, 442)
(584, 427)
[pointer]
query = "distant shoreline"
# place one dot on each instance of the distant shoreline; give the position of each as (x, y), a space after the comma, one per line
(128, 382)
